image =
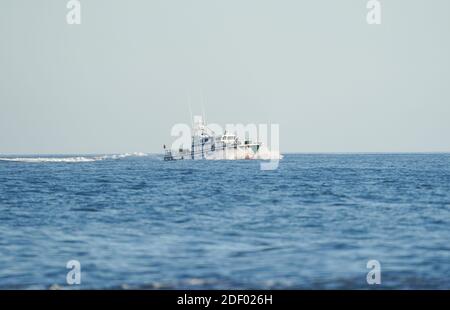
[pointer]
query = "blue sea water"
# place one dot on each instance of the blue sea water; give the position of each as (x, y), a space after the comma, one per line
(140, 222)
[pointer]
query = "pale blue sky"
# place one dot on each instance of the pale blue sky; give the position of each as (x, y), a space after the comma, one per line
(120, 80)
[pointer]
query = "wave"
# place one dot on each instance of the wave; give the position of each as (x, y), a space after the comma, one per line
(76, 159)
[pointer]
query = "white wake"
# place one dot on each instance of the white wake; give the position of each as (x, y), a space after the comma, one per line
(76, 159)
(239, 154)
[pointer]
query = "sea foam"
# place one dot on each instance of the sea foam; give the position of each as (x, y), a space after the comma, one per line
(238, 154)
(76, 159)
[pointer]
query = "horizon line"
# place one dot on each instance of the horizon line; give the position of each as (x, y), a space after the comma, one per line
(283, 153)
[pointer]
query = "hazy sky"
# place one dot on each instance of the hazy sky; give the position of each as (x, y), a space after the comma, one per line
(119, 81)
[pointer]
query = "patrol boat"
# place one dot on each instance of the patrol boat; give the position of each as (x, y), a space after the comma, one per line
(206, 144)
